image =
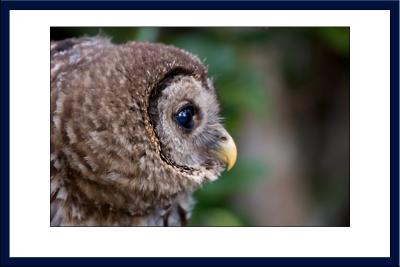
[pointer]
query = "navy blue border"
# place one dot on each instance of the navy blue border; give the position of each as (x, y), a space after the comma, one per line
(205, 5)
(393, 6)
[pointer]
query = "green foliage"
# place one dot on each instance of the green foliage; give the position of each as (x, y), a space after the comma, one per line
(336, 37)
(215, 217)
(216, 197)
(243, 176)
(147, 34)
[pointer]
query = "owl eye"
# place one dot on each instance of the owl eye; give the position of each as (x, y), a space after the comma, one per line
(184, 117)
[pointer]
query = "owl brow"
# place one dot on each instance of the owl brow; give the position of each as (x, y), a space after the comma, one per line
(169, 77)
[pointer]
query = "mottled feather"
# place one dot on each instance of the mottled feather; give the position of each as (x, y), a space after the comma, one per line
(111, 161)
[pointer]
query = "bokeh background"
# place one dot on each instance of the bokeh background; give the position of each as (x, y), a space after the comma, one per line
(285, 95)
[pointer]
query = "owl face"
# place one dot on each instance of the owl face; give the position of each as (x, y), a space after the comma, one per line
(185, 115)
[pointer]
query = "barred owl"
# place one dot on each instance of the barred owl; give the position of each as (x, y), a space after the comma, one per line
(135, 129)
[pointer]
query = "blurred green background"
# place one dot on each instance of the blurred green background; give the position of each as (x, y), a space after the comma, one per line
(284, 94)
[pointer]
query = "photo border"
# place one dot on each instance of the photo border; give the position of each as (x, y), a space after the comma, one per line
(393, 6)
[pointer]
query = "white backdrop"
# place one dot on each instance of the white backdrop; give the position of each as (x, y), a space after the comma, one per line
(30, 232)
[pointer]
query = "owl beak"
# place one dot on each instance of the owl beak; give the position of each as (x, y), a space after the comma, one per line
(227, 150)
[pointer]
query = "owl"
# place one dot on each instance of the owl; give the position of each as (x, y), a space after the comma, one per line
(135, 129)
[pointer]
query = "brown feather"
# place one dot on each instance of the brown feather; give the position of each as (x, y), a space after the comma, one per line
(106, 162)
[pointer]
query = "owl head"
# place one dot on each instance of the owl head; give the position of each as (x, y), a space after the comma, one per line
(136, 124)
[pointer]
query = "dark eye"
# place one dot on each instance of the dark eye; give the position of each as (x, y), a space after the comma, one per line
(184, 117)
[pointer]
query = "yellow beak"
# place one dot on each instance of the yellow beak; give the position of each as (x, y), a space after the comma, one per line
(227, 151)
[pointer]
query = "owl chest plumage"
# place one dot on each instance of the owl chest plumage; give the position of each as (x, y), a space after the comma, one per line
(68, 211)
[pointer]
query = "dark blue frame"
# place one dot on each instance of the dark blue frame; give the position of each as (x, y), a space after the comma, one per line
(393, 6)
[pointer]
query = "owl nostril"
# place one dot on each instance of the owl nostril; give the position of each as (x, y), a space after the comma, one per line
(223, 138)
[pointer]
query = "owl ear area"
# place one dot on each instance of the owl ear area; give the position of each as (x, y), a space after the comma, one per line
(226, 150)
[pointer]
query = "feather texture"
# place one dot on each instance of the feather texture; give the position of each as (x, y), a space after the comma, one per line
(108, 166)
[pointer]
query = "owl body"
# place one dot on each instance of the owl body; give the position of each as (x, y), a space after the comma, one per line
(134, 130)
